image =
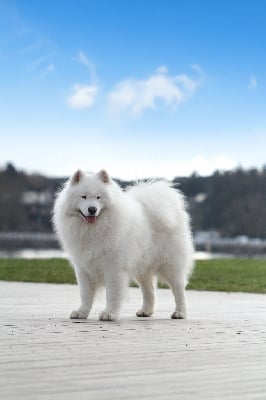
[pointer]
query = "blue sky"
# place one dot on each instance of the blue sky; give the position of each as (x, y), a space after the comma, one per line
(141, 88)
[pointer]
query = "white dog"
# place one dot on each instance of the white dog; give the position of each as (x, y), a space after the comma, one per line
(111, 235)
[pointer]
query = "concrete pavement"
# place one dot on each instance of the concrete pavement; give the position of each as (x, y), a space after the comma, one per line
(219, 352)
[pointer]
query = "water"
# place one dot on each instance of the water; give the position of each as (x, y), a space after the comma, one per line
(205, 255)
(33, 253)
(57, 253)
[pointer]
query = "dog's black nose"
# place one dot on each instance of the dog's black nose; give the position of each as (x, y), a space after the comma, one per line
(92, 210)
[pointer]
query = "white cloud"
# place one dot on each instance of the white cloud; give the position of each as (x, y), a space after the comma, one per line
(83, 96)
(136, 95)
(253, 84)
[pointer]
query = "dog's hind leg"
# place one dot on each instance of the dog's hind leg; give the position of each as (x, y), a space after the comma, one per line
(147, 283)
(178, 290)
(177, 283)
(87, 292)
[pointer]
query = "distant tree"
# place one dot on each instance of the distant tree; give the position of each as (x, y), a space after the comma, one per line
(231, 202)
(10, 169)
(246, 215)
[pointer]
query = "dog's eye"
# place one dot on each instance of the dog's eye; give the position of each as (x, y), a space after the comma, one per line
(98, 197)
(84, 197)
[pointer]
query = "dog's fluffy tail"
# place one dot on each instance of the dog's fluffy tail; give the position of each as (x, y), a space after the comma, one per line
(161, 201)
(167, 211)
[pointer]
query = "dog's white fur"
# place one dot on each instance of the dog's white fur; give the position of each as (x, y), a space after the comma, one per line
(141, 233)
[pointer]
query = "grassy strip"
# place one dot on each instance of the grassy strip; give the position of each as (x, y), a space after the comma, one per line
(53, 270)
(230, 275)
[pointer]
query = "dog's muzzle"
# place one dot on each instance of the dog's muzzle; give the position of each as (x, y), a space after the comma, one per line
(91, 218)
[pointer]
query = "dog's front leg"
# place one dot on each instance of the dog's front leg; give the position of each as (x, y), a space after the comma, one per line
(116, 285)
(87, 292)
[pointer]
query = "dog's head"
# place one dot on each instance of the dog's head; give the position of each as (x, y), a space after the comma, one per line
(90, 194)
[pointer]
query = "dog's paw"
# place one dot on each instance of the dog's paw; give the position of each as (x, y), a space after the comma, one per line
(105, 316)
(178, 315)
(142, 313)
(78, 314)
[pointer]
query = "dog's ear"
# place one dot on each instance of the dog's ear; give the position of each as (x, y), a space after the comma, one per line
(103, 175)
(76, 177)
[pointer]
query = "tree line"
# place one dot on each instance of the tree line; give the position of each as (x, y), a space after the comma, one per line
(232, 203)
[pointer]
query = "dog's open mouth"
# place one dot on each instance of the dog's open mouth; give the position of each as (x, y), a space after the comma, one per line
(89, 219)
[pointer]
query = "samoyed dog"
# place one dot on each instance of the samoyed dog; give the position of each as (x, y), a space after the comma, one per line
(112, 236)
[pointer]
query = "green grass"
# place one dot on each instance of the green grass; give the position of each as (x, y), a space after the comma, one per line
(54, 270)
(230, 275)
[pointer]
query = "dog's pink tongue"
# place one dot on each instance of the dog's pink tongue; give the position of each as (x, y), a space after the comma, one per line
(90, 220)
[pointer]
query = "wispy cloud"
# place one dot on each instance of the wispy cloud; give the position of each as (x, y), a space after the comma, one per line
(35, 46)
(86, 62)
(50, 68)
(134, 96)
(38, 62)
(39, 57)
(253, 84)
(82, 96)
